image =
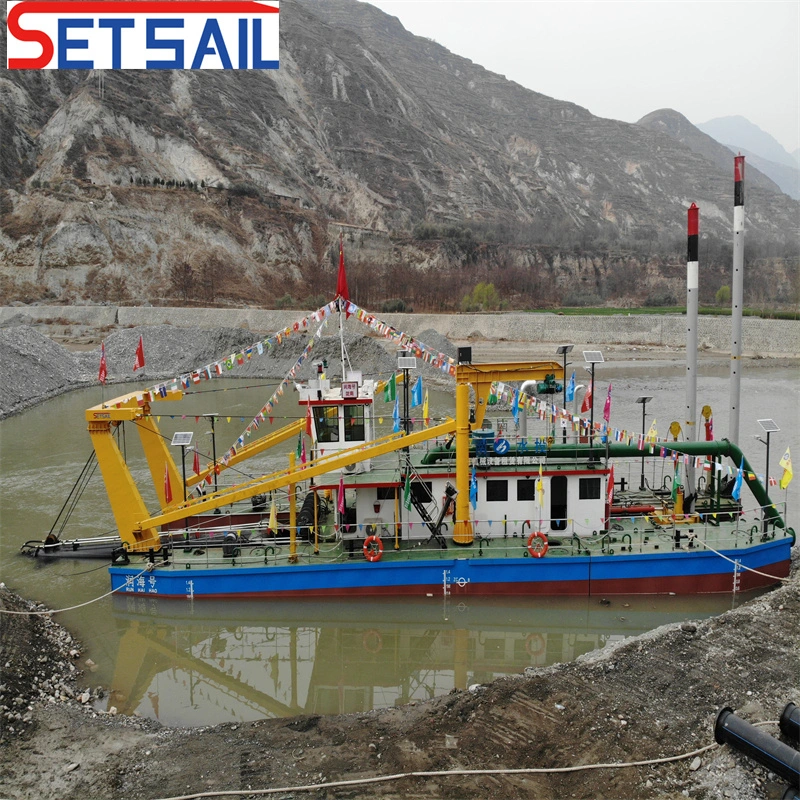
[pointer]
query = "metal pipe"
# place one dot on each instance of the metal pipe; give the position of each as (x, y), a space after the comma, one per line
(767, 750)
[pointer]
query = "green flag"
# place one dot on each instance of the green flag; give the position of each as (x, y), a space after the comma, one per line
(299, 445)
(407, 493)
(390, 390)
(675, 479)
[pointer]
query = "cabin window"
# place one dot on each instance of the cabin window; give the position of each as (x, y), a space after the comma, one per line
(386, 492)
(589, 488)
(496, 491)
(526, 489)
(326, 421)
(422, 491)
(354, 424)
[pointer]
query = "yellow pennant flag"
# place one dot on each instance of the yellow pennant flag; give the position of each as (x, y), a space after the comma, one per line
(425, 415)
(652, 434)
(786, 463)
(273, 519)
(540, 487)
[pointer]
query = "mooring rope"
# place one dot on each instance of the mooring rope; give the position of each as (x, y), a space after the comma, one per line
(740, 565)
(46, 613)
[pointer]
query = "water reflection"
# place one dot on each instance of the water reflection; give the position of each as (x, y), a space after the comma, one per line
(193, 663)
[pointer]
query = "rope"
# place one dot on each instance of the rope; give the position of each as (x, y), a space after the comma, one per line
(456, 772)
(741, 566)
(441, 774)
(148, 568)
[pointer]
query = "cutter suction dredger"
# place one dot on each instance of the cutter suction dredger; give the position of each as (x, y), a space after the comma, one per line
(454, 508)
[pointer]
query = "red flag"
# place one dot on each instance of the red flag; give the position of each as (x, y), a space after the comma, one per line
(196, 464)
(587, 399)
(710, 429)
(341, 282)
(610, 494)
(308, 421)
(340, 495)
(167, 485)
(139, 362)
(607, 406)
(103, 373)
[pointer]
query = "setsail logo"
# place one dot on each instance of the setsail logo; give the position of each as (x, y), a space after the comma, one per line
(142, 35)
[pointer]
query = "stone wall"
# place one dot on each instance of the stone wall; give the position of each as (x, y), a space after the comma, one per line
(760, 336)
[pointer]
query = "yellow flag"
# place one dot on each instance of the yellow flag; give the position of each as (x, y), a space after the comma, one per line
(425, 415)
(273, 519)
(652, 434)
(786, 463)
(540, 487)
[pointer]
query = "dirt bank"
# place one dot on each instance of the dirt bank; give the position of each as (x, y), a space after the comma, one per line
(646, 698)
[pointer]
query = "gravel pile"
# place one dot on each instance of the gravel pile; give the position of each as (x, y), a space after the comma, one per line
(34, 368)
(39, 664)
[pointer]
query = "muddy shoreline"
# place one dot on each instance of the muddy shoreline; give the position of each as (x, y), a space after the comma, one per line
(649, 697)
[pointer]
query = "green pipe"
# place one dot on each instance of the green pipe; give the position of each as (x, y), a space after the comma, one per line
(722, 447)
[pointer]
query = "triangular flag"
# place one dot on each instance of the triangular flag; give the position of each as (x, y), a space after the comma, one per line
(139, 361)
(167, 485)
(196, 462)
(273, 518)
(340, 498)
(425, 414)
(103, 372)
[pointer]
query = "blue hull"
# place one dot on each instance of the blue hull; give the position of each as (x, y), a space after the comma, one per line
(681, 572)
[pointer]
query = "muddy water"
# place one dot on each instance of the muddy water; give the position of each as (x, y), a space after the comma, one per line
(206, 662)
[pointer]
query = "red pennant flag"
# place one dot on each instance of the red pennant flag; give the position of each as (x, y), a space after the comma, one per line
(167, 485)
(587, 399)
(308, 420)
(341, 281)
(139, 362)
(196, 464)
(103, 373)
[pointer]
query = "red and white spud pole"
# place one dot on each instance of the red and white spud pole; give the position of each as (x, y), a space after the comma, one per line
(737, 296)
(692, 302)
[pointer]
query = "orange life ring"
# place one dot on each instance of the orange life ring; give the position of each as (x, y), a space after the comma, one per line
(372, 641)
(373, 548)
(452, 512)
(535, 644)
(541, 545)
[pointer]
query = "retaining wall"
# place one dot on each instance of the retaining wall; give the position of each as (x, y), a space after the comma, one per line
(760, 336)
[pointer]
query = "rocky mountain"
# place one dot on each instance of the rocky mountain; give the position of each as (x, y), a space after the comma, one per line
(204, 186)
(738, 131)
(762, 151)
(674, 124)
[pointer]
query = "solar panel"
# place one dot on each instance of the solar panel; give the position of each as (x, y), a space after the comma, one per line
(768, 425)
(182, 438)
(593, 357)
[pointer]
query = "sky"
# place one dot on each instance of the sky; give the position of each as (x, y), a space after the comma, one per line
(622, 60)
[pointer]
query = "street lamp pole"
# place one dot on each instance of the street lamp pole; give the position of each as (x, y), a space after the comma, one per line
(644, 400)
(592, 357)
(563, 350)
(768, 426)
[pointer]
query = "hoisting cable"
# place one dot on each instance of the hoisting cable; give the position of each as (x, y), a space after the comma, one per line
(75, 493)
(446, 773)
(47, 613)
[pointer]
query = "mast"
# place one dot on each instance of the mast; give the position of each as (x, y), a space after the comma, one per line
(692, 292)
(737, 295)
(342, 297)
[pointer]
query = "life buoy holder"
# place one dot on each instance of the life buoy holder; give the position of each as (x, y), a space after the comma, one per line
(535, 644)
(373, 548)
(537, 544)
(372, 641)
(452, 510)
